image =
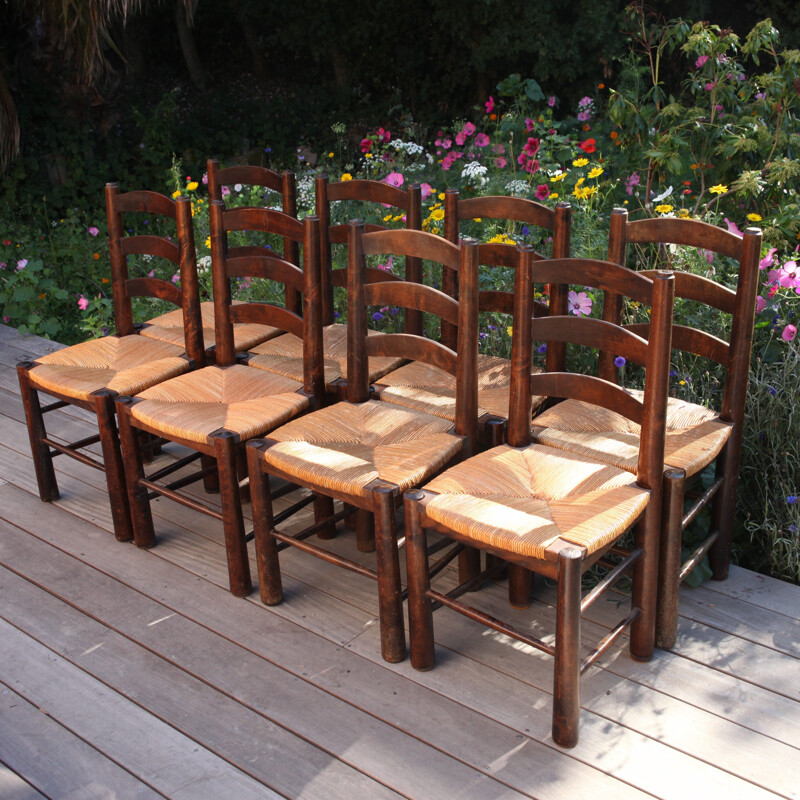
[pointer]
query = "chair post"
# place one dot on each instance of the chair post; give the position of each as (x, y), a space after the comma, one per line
(235, 545)
(390, 600)
(567, 670)
(724, 506)
(365, 531)
(42, 460)
(420, 611)
(670, 558)
(520, 586)
(449, 333)
(138, 502)
(270, 585)
(323, 510)
(103, 401)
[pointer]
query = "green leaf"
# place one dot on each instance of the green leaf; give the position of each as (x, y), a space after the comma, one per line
(23, 293)
(533, 90)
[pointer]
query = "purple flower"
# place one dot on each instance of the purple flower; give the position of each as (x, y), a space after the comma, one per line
(377, 316)
(792, 499)
(631, 181)
(551, 101)
(542, 348)
(769, 258)
(700, 61)
(83, 303)
(94, 231)
(579, 303)
(21, 264)
(620, 361)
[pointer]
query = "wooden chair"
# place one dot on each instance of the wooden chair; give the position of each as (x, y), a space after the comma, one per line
(431, 390)
(216, 409)
(364, 452)
(696, 435)
(93, 373)
(169, 327)
(548, 510)
(284, 354)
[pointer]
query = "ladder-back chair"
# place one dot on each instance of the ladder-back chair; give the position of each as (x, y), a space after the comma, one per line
(92, 374)
(432, 390)
(364, 452)
(214, 410)
(548, 510)
(696, 435)
(284, 354)
(167, 327)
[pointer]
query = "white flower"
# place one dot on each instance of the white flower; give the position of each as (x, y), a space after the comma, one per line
(517, 187)
(662, 196)
(237, 187)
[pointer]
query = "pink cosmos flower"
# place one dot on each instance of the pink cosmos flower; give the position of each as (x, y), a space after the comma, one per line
(700, 61)
(444, 143)
(94, 231)
(769, 258)
(394, 179)
(532, 166)
(490, 105)
(551, 101)
(709, 255)
(584, 116)
(176, 277)
(788, 334)
(205, 179)
(468, 129)
(426, 190)
(500, 162)
(461, 137)
(632, 180)
(447, 161)
(225, 191)
(498, 149)
(83, 303)
(761, 304)
(579, 303)
(528, 124)
(366, 145)
(710, 86)
(481, 140)
(542, 191)
(21, 264)
(733, 227)
(383, 136)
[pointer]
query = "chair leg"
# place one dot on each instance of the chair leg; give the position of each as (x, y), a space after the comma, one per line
(323, 509)
(365, 531)
(520, 586)
(232, 521)
(138, 502)
(42, 460)
(420, 611)
(469, 564)
(210, 479)
(566, 682)
(723, 511)
(644, 593)
(269, 572)
(112, 460)
(670, 561)
(390, 598)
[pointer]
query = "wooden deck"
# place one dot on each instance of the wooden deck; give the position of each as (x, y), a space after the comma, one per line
(130, 673)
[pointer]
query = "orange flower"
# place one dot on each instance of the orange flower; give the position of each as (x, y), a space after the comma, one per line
(601, 86)
(96, 256)
(492, 117)
(104, 280)
(586, 126)
(613, 134)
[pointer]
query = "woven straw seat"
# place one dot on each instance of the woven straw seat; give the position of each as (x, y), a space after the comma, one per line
(169, 328)
(123, 364)
(523, 499)
(284, 356)
(695, 434)
(236, 398)
(432, 390)
(346, 446)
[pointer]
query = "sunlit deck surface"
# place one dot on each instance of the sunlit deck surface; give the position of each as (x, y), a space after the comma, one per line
(133, 673)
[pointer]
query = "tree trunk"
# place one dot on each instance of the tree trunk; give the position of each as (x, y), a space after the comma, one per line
(251, 40)
(190, 55)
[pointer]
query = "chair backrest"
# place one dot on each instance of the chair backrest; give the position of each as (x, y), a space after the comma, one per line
(227, 264)
(656, 291)
(497, 254)
(733, 355)
(180, 252)
(366, 191)
(416, 296)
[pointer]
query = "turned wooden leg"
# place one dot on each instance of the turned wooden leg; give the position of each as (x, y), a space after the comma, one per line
(323, 510)
(420, 611)
(724, 510)
(269, 571)
(566, 683)
(42, 460)
(365, 531)
(670, 558)
(138, 502)
(644, 592)
(520, 586)
(235, 546)
(390, 598)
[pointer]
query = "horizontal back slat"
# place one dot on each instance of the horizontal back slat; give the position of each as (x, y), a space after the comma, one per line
(591, 272)
(417, 244)
(339, 276)
(249, 174)
(702, 289)
(154, 287)
(591, 333)
(368, 191)
(691, 340)
(146, 201)
(414, 296)
(503, 207)
(266, 267)
(568, 385)
(146, 244)
(416, 348)
(263, 219)
(672, 230)
(268, 314)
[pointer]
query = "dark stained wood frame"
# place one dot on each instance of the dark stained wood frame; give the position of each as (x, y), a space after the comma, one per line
(383, 496)
(224, 448)
(101, 402)
(734, 355)
(564, 561)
